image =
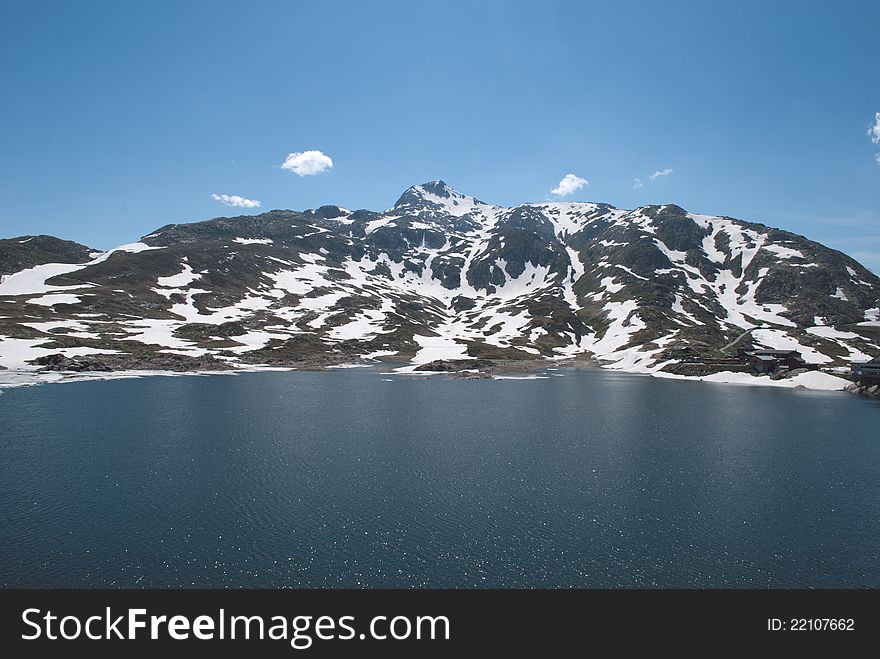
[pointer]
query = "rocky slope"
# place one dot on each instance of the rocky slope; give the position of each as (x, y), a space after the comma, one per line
(440, 276)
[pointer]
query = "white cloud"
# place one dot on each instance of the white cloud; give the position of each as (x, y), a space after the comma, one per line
(569, 185)
(874, 129)
(306, 163)
(640, 183)
(235, 200)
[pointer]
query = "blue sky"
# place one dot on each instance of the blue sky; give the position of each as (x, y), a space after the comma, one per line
(120, 117)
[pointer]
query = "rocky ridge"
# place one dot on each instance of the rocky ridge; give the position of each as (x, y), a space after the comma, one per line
(439, 277)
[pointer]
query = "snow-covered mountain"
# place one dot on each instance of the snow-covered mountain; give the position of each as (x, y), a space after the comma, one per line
(440, 275)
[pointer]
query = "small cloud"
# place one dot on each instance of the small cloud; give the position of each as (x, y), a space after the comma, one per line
(235, 200)
(640, 183)
(306, 163)
(569, 185)
(874, 129)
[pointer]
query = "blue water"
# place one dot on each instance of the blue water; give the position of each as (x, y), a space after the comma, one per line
(342, 479)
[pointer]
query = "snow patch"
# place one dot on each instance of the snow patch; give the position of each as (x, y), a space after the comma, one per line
(253, 241)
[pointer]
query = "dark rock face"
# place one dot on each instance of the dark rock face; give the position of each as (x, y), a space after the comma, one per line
(326, 212)
(676, 229)
(24, 252)
(452, 365)
(196, 331)
(155, 361)
(439, 278)
(59, 362)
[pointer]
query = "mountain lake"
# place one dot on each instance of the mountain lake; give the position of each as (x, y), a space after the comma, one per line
(358, 478)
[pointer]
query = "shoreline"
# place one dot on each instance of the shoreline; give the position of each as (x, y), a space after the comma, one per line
(486, 370)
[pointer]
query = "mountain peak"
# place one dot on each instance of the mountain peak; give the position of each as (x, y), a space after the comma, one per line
(438, 187)
(437, 196)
